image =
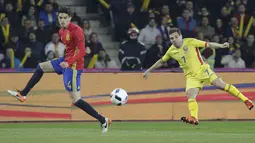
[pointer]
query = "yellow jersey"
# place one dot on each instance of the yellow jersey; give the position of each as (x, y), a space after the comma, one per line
(188, 55)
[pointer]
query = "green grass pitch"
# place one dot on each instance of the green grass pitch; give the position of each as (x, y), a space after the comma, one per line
(129, 132)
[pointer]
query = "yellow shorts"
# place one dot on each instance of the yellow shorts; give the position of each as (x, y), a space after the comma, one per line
(197, 81)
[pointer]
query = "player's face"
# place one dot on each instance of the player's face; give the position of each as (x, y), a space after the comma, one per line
(176, 39)
(64, 19)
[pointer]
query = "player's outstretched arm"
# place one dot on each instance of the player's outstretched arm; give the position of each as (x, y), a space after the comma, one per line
(217, 45)
(158, 64)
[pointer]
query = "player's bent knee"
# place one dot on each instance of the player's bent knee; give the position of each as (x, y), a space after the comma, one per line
(219, 83)
(75, 96)
(46, 66)
(192, 93)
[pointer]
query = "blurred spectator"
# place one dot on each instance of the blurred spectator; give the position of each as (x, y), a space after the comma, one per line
(205, 28)
(165, 12)
(156, 52)
(9, 52)
(104, 61)
(48, 15)
(231, 6)
(234, 60)
(224, 16)
(132, 53)
(6, 29)
(12, 15)
(43, 34)
(30, 15)
(190, 6)
(56, 46)
(164, 29)
(14, 41)
(36, 3)
(203, 13)
(242, 12)
(54, 4)
(219, 29)
(233, 29)
(148, 34)
(50, 55)
(220, 52)
(34, 49)
(86, 29)
(126, 20)
(232, 44)
(76, 19)
(200, 36)
(187, 24)
(94, 44)
(25, 30)
(208, 55)
(180, 2)
(247, 50)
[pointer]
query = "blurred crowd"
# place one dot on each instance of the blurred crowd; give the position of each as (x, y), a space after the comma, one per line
(209, 20)
(29, 32)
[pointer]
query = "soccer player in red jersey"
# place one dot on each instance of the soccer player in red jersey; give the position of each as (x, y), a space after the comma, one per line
(69, 66)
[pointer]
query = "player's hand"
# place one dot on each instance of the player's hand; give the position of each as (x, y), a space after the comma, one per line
(64, 64)
(225, 45)
(146, 74)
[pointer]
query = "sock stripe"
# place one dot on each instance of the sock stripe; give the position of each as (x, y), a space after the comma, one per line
(228, 88)
(191, 100)
(232, 90)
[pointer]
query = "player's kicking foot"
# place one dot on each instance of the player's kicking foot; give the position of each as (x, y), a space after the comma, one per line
(249, 104)
(17, 95)
(106, 125)
(190, 120)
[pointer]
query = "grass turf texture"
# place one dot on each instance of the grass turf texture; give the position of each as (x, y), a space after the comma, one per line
(129, 132)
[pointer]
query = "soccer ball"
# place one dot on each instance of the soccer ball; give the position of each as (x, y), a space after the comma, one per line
(119, 97)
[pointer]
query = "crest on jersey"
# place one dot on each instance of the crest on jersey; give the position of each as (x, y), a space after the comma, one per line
(185, 49)
(67, 37)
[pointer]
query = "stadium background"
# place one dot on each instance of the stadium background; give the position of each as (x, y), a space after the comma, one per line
(161, 97)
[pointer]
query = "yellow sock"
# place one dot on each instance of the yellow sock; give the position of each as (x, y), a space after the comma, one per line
(193, 107)
(232, 90)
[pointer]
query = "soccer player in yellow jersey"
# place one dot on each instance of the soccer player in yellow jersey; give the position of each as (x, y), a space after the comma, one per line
(196, 71)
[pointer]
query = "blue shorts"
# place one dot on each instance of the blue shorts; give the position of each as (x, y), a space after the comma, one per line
(71, 77)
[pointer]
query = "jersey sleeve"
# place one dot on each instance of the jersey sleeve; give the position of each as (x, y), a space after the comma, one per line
(79, 40)
(199, 43)
(167, 56)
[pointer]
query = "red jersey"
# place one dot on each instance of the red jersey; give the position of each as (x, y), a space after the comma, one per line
(73, 39)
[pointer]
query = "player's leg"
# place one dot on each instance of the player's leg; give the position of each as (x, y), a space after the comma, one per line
(231, 89)
(193, 86)
(43, 67)
(72, 84)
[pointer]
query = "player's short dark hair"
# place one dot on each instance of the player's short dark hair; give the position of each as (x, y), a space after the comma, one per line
(174, 29)
(65, 9)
